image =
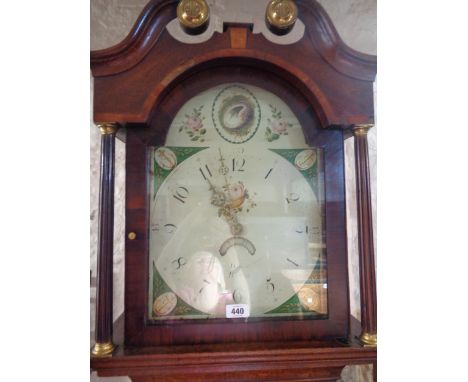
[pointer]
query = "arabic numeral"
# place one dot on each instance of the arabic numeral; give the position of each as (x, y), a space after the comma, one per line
(270, 285)
(238, 164)
(207, 174)
(303, 230)
(167, 228)
(181, 194)
(293, 197)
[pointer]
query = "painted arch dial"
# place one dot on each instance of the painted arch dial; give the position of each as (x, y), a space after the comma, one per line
(236, 211)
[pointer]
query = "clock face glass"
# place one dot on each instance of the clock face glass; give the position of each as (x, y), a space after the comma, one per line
(237, 212)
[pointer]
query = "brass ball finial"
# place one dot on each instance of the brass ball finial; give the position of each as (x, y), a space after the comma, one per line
(281, 15)
(193, 15)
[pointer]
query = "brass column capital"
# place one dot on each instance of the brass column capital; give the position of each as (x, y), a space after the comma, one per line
(108, 128)
(362, 129)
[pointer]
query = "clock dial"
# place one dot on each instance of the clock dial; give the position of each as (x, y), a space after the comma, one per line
(238, 220)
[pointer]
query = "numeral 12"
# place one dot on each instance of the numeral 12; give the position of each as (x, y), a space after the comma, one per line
(237, 164)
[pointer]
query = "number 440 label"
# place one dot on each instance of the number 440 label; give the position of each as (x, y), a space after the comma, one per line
(237, 310)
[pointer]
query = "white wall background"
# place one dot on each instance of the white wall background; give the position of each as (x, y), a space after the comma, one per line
(111, 20)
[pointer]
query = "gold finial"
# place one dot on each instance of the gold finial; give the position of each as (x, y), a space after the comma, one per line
(102, 350)
(281, 15)
(107, 127)
(193, 15)
(367, 339)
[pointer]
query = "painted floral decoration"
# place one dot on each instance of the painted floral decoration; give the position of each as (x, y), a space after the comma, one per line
(236, 194)
(230, 199)
(277, 125)
(193, 125)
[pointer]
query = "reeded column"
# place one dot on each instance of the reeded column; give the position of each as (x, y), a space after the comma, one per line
(368, 335)
(104, 287)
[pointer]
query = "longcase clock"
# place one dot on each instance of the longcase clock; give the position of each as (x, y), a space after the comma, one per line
(235, 253)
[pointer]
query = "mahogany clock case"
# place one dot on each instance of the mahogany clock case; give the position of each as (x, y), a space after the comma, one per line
(139, 85)
(139, 330)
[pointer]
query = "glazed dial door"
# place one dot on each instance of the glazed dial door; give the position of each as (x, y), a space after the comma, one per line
(236, 211)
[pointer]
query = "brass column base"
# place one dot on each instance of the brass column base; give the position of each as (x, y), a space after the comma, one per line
(102, 350)
(367, 339)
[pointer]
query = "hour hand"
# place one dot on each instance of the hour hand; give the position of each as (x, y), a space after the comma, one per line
(218, 199)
